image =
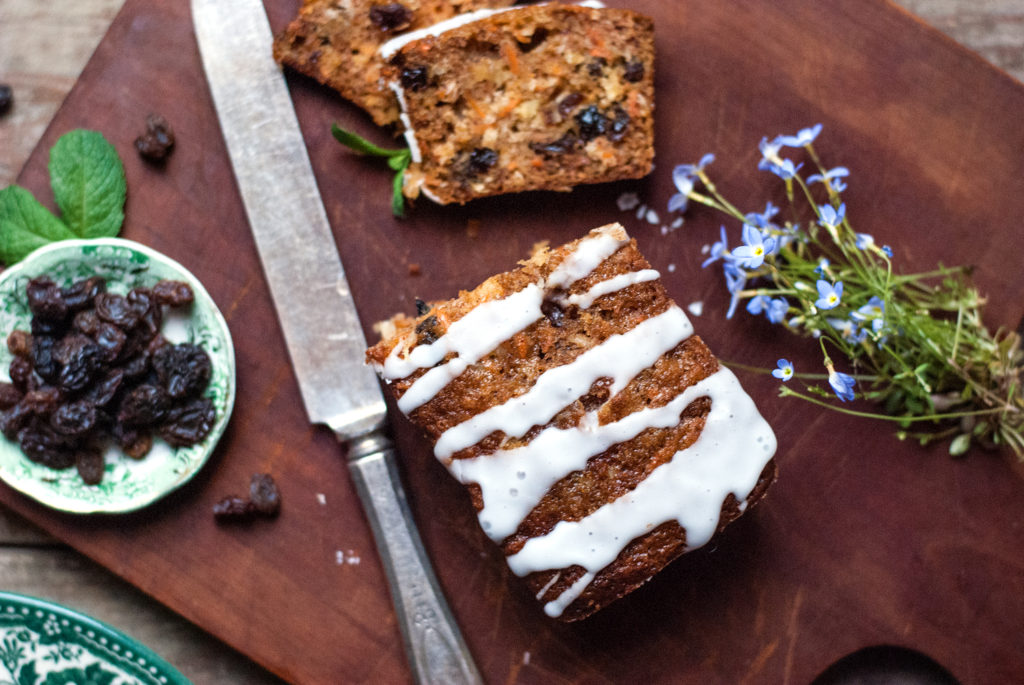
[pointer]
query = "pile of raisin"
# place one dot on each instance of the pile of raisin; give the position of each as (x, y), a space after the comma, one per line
(94, 368)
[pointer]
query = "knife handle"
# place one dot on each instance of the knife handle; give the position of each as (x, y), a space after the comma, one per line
(436, 650)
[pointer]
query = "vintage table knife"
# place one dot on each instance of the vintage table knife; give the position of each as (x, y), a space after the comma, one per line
(323, 334)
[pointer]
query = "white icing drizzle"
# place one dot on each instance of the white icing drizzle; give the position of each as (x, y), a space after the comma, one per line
(728, 457)
(611, 285)
(491, 323)
(619, 357)
(555, 607)
(410, 135)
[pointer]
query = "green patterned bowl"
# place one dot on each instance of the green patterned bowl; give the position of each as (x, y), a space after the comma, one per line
(127, 484)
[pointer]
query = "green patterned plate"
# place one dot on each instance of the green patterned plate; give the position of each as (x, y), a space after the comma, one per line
(127, 484)
(46, 644)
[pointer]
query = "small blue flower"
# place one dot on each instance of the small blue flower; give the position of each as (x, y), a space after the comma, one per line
(829, 295)
(803, 137)
(718, 250)
(887, 251)
(735, 281)
(685, 176)
(777, 310)
(842, 384)
(830, 216)
(757, 304)
(785, 370)
(822, 268)
(764, 219)
(874, 309)
(844, 327)
(864, 241)
(757, 247)
(770, 160)
(834, 177)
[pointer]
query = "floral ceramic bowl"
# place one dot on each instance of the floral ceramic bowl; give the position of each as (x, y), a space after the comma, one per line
(127, 484)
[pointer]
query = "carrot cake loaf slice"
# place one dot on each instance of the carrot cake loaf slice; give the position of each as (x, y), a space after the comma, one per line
(336, 43)
(538, 97)
(597, 436)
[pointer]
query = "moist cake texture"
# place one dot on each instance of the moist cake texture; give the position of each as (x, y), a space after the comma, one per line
(597, 436)
(539, 97)
(336, 42)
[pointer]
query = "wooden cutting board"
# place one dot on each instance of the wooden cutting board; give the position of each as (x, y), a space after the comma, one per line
(863, 541)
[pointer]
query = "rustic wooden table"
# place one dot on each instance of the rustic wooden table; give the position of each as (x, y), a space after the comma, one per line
(43, 47)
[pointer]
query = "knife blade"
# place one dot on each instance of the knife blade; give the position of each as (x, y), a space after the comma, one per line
(317, 313)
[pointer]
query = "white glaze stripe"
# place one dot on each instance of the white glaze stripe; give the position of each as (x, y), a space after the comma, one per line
(728, 457)
(513, 482)
(611, 285)
(619, 357)
(489, 324)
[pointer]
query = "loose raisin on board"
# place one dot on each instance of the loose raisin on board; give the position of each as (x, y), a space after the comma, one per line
(264, 495)
(158, 140)
(233, 508)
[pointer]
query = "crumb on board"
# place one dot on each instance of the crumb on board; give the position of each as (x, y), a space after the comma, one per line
(473, 228)
(347, 557)
(414, 269)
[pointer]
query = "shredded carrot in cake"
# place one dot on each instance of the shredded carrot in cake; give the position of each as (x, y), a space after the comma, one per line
(509, 53)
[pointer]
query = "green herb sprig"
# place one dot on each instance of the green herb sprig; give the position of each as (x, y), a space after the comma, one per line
(88, 183)
(397, 160)
(915, 343)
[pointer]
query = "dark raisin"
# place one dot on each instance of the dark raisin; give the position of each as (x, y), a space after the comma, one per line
(264, 495)
(14, 419)
(189, 423)
(102, 392)
(554, 312)
(233, 508)
(620, 124)
(51, 327)
(111, 340)
(42, 357)
(86, 321)
(479, 161)
(392, 16)
(634, 71)
(591, 123)
(19, 343)
(158, 140)
(421, 307)
(10, 395)
(184, 370)
(6, 99)
(426, 331)
(137, 365)
(538, 37)
(116, 309)
(414, 78)
(42, 401)
(173, 293)
(74, 419)
(80, 294)
(82, 368)
(45, 300)
(90, 465)
(68, 346)
(139, 444)
(144, 405)
(567, 104)
(566, 143)
(596, 67)
(43, 445)
(21, 373)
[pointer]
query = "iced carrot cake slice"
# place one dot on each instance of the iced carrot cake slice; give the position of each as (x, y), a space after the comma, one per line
(537, 97)
(336, 42)
(598, 437)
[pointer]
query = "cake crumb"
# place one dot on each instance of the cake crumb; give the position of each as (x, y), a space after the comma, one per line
(321, 499)
(473, 228)
(696, 308)
(627, 201)
(414, 269)
(526, 658)
(349, 558)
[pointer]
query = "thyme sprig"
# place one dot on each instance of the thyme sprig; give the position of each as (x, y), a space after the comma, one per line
(397, 160)
(915, 343)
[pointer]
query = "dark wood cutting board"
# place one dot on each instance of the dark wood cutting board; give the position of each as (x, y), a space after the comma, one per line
(864, 540)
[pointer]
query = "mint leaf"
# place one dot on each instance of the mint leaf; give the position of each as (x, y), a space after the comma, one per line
(25, 225)
(88, 183)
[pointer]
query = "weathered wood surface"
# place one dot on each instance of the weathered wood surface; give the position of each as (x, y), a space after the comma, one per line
(42, 49)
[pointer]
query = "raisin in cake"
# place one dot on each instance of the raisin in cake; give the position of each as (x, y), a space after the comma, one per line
(598, 437)
(336, 43)
(540, 97)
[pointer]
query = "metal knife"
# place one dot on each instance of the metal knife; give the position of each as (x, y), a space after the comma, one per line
(315, 308)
